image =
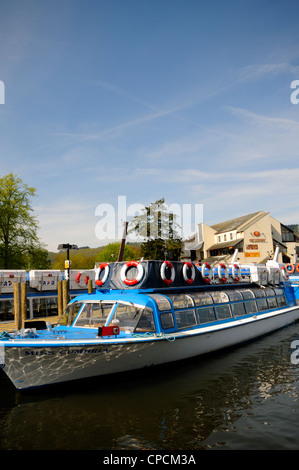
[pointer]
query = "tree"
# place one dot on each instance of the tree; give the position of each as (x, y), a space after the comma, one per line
(18, 227)
(159, 228)
(110, 253)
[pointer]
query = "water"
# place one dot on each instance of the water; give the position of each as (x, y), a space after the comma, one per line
(244, 398)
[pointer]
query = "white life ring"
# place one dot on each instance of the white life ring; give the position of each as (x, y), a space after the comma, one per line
(207, 278)
(124, 269)
(164, 265)
(99, 282)
(236, 272)
(187, 279)
(80, 281)
(222, 277)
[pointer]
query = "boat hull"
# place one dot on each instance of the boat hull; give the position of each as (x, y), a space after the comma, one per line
(34, 365)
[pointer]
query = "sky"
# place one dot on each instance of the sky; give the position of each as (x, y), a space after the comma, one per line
(109, 103)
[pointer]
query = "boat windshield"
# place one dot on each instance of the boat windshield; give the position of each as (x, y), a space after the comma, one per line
(94, 314)
(70, 313)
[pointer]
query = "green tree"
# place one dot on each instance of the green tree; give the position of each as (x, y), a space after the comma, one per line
(159, 228)
(18, 226)
(110, 253)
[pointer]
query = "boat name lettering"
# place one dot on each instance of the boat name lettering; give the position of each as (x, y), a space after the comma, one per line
(65, 351)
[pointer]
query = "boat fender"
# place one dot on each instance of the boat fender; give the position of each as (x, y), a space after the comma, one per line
(236, 272)
(290, 268)
(207, 278)
(108, 331)
(187, 279)
(99, 282)
(167, 264)
(222, 276)
(124, 269)
(79, 280)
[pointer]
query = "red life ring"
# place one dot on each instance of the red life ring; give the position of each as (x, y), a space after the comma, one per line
(222, 278)
(206, 279)
(78, 279)
(167, 264)
(235, 271)
(102, 266)
(290, 268)
(124, 269)
(187, 279)
(297, 268)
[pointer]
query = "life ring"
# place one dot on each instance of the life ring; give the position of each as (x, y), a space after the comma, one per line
(297, 268)
(206, 279)
(124, 269)
(99, 282)
(187, 279)
(290, 268)
(235, 272)
(222, 278)
(79, 280)
(167, 264)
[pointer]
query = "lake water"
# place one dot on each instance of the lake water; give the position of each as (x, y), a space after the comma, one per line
(243, 398)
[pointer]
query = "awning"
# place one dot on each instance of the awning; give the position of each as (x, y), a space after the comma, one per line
(229, 244)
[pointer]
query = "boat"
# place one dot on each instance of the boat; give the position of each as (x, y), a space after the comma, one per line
(149, 313)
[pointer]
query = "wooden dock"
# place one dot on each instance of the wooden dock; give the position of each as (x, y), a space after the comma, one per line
(10, 326)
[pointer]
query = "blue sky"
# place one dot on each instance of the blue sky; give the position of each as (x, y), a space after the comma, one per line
(187, 100)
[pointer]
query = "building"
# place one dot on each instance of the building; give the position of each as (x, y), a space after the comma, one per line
(255, 236)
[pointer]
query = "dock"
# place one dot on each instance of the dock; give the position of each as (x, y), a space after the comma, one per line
(9, 326)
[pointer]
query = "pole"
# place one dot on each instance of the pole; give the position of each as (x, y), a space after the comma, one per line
(123, 242)
(17, 306)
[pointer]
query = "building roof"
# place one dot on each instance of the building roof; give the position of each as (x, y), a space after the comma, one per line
(239, 224)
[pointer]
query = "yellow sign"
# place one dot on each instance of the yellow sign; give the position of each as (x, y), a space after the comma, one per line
(252, 255)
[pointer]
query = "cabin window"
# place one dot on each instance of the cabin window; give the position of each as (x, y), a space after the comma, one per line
(206, 314)
(185, 318)
(247, 294)
(128, 316)
(250, 306)
(146, 321)
(162, 302)
(281, 301)
(223, 312)
(238, 309)
(167, 320)
(234, 295)
(220, 297)
(94, 314)
(202, 299)
(181, 301)
(272, 302)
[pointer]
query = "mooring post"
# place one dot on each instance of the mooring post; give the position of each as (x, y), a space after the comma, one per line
(23, 302)
(17, 306)
(59, 298)
(65, 294)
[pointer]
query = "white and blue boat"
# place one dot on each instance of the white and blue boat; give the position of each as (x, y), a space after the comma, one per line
(149, 313)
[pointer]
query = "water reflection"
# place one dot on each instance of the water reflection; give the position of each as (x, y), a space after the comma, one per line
(241, 399)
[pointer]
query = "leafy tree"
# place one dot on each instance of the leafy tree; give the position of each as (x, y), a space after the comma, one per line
(159, 229)
(110, 253)
(18, 226)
